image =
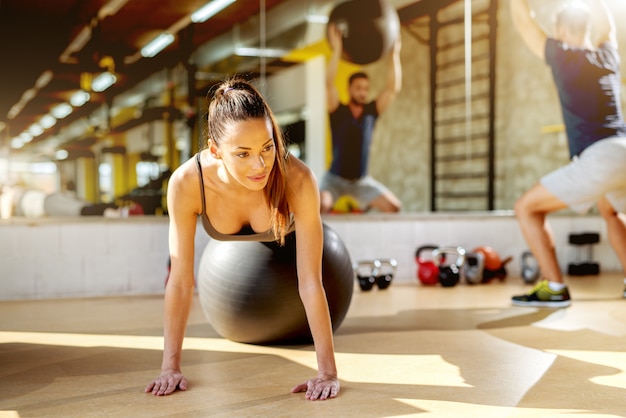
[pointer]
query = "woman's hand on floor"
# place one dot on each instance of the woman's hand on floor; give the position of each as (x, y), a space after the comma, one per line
(167, 383)
(319, 388)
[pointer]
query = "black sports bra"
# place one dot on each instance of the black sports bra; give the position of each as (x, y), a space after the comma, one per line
(246, 233)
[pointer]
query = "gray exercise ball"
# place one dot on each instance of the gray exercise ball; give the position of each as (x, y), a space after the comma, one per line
(370, 29)
(249, 290)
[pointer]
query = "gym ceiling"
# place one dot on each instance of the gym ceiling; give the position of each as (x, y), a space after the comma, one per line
(51, 49)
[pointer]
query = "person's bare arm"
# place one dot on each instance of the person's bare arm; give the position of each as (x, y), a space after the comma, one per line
(336, 45)
(393, 83)
(183, 203)
(304, 202)
(530, 31)
(605, 24)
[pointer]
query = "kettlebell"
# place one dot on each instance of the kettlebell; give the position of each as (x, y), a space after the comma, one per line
(449, 273)
(427, 270)
(530, 268)
(473, 267)
(366, 272)
(385, 272)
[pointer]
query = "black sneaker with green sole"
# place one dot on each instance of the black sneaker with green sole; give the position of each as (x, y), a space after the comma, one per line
(543, 296)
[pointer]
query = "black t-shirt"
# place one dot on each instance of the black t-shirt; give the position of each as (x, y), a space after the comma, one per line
(588, 83)
(351, 140)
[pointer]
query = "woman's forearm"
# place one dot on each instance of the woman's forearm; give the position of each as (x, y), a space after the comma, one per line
(316, 307)
(178, 301)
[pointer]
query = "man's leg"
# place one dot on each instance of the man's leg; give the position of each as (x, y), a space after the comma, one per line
(330, 187)
(386, 202)
(372, 194)
(531, 210)
(616, 227)
(326, 201)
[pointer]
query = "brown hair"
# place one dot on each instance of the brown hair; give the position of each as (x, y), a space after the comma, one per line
(236, 100)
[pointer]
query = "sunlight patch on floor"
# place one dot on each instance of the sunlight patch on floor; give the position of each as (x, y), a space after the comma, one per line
(446, 408)
(390, 368)
(616, 360)
(601, 320)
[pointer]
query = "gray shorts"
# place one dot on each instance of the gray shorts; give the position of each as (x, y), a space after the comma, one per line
(599, 171)
(364, 190)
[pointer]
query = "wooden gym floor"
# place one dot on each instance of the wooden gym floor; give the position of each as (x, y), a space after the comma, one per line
(406, 351)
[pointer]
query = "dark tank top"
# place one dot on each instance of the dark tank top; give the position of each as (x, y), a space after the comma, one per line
(246, 233)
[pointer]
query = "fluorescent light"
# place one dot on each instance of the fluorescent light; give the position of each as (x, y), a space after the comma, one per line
(17, 143)
(44, 79)
(209, 10)
(61, 111)
(35, 130)
(79, 98)
(29, 95)
(103, 82)
(61, 154)
(260, 52)
(25, 137)
(157, 45)
(317, 18)
(47, 121)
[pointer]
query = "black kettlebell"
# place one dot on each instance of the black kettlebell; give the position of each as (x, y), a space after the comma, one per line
(385, 272)
(449, 273)
(366, 272)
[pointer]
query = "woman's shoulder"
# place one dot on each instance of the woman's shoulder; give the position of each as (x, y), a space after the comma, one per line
(184, 187)
(186, 179)
(297, 170)
(300, 177)
(186, 170)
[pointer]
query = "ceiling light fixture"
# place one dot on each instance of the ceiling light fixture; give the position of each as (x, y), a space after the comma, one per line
(157, 45)
(44, 79)
(79, 98)
(260, 52)
(61, 154)
(25, 137)
(62, 110)
(103, 82)
(16, 143)
(313, 18)
(35, 130)
(209, 10)
(111, 8)
(47, 121)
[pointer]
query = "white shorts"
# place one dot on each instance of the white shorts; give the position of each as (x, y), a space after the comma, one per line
(364, 190)
(599, 171)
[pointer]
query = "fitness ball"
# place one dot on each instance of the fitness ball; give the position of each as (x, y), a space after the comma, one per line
(370, 28)
(249, 290)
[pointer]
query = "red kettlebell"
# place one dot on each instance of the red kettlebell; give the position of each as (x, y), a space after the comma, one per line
(427, 270)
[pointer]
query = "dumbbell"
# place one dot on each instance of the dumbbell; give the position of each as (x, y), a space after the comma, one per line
(449, 273)
(586, 267)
